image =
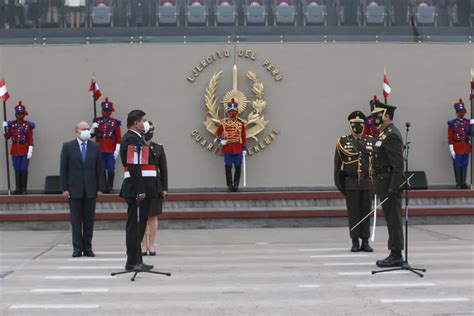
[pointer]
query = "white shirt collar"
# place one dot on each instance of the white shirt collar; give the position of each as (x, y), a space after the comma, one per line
(80, 141)
(136, 132)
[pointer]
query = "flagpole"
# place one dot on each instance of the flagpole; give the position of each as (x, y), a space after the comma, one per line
(93, 97)
(7, 160)
(384, 74)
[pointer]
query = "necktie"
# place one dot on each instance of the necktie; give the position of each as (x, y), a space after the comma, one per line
(83, 151)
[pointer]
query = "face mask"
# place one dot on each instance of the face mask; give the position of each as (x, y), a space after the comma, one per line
(146, 127)
(148, 136)
(232, 114)
(85, 135)
(357, 128)
(106, 113)
(20, 116)
(378, 120)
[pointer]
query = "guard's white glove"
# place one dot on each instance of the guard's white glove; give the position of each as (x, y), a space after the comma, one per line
(30, 152)
(223, 142)
(453, 153)
(94, 126)
(472, 121)
(5, 124)
(244, 153)
(117, 151)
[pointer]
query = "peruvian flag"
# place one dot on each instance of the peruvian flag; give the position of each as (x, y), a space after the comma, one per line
(94, 89)
(386, 86)
(3, 91)
(132, 155)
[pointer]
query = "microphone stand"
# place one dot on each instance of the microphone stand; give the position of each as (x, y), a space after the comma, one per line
(406, 266)
(139, 255)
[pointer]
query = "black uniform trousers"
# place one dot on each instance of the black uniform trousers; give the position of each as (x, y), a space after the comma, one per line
(393, 217)
(135, 229)
(82, 213)
(358, 203)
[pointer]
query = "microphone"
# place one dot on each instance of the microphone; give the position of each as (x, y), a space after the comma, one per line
(407, 124)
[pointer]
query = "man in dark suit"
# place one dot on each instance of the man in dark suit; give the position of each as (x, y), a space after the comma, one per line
(389, 164)
(139, 186)
(81, 181)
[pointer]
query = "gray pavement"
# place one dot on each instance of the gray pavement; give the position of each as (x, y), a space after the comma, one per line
(272, 271)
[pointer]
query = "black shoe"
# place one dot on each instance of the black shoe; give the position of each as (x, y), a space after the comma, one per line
(355, 245)
(152, 253)
(145, 267)
(230, 189)
(235, 189)
(89, 253)
(143, 253)
(131, 267)
(76, 253)
(365, 246)
(393, 260)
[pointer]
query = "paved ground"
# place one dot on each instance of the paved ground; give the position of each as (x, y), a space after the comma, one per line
(294, 271)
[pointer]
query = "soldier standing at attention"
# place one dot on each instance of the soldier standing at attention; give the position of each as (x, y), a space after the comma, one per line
(388, 178)
(232, 136)
(459, 138)
(353, 177)
(106, 131)
(21, 133)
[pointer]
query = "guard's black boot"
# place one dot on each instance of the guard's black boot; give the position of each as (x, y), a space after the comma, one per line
(457, 177)
(24, 181)
(110, 181)
(228, 177)
(106, 183)
(463, 178)
(238, 169)
(355, 245)
(365, 246)
(395, 259)
(17, 183)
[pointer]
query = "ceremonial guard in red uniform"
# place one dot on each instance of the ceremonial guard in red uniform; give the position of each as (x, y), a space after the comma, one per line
(232, 136)
(21, 133)
(106, 131)
(459, 138)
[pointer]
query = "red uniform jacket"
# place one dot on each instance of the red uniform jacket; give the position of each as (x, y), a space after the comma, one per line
(108, 134)
(21, 133)
(234, 132)
(459, 135)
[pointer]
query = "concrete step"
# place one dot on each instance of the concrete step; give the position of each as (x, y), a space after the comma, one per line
(314, 208)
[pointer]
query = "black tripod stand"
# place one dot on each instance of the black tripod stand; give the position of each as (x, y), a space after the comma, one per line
(136, 271)
(406, 265)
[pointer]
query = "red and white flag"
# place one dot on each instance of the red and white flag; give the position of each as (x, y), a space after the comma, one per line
(3, 91)
(94, 89)
(386, 86)
(132, 155)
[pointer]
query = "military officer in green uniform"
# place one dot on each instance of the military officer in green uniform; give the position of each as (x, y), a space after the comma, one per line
(353, 177)
(388, 179)
(156, 205)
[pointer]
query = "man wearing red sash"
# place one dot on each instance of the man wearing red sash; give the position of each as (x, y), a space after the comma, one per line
(139, 186)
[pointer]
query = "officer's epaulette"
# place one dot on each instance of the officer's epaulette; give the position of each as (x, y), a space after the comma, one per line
(119, 122)
(343, 148)
(32, 124)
